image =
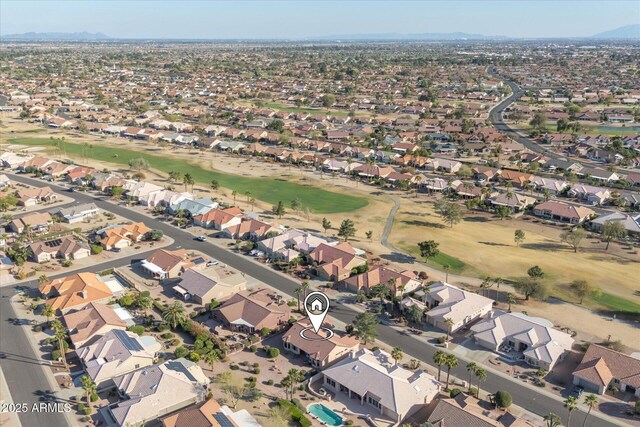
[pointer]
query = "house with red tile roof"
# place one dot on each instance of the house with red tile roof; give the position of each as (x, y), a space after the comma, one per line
(603, 367)
(335, 262)
(563, 212)
(384, 275)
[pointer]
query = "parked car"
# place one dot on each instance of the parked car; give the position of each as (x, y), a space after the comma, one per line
(577, 391)
(201, 238)
(212, 262)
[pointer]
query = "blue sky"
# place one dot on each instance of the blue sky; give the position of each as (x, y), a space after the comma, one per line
(299, 19)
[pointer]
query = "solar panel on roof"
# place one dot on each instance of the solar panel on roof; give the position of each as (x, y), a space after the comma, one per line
(53, 243)
(130, 343)
(222, 420)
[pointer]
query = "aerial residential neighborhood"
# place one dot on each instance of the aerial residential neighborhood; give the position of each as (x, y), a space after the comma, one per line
(376, 223)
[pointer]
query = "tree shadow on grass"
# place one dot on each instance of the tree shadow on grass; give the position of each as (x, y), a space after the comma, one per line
(423, 223)
(544, 246)
(398, 257)
(493, 244)
(476, 219)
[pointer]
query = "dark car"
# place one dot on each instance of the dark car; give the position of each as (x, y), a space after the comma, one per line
(577, 392)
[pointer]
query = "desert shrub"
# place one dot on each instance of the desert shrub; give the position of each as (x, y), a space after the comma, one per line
(253, 349)
(137, 329)
(167, 335)
(273, 352)
(181, 352)
(442, 339)
(96, 249)
(234, 367)
(503, 399)
(454, 392)
(193, 356)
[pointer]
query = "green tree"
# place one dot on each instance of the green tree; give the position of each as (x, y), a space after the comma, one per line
(295, 205)
(571, 403)
(581, 289)
(211, 357)
(503, 399)
(214, 184)
(116, 192)
(451, 361)
(449, 323)
(279, 209)
(293, 378)
(511, 299)
(60, 334)
(573, 238)
(428, 249)
(89, 387)
(481, 375)
(347, 229)
(138, 164)
(174, 176)
(552, 420)
(539, 121)
(535, 272)
(174, 314)
(48, 311)
(591, 401)
(439, 358)
(518, 236)
(187, 179)
(451, 214)
(397, 354)
(154, 235)
(612, 230)
(530, 288)
(366, 327)
(328, 100)
(369, 234)
(144, 303)
(414, 314)
(472, 367)
(326, 224)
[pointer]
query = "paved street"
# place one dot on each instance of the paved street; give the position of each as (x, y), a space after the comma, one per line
(25, 383)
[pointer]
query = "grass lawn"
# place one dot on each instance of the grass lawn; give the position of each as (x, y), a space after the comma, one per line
(438, 261)
(589, 129)
(266, 189)
(615, 303)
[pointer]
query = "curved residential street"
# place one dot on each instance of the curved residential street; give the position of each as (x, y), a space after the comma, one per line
(26, 379)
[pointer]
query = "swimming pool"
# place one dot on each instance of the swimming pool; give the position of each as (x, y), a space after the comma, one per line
(325, 414)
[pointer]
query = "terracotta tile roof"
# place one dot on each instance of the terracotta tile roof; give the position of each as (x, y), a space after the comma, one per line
(200, 415)
(600, 364)
(84, 323)
(75, 290)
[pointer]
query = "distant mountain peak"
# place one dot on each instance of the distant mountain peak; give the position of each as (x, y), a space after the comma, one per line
(627, 32)
(78, 36)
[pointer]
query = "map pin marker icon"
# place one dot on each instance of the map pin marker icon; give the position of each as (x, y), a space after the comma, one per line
(316, 304)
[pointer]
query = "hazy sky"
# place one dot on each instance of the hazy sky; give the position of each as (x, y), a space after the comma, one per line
(299, 18)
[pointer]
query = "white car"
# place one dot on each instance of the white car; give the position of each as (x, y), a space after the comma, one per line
(201, 238)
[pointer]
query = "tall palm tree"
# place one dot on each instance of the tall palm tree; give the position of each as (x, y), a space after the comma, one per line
(481, 375)
(48, 311)
(234, 193)
(498, 281)
(511, 299)
(451, 361)
(60, 334)
(298, 291)
(591, 401)
(174, 314)
(439, 358)
(472, 367)
(144, 303)
(397, 354)
(446, 268)
(248, 194)
(571, 403)
(449, 324)
(211, 357)
(305, 287)
(188, 180)
(89, 387)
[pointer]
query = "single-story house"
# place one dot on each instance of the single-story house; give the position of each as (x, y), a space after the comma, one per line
(77, 213)
(447, 302)
(602, 367)
(563, 212)
(253, 310)
(212, 283)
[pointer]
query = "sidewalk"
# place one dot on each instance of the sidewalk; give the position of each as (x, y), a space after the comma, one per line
(7, 418)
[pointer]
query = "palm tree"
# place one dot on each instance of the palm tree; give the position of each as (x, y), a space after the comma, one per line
(89, 387)
(211, 357)
(449, 324)
(481, 374)
(234, 193)
(298, 291)
(571, 404)
(397, 354)
(174, 314)
(511, 299)
(305, 287)
(144, 303)
(451, 361)
(248, 194)
(472, 367)
(552, 420)
(60, 333)
(188, 180)
(498, 281)
(48, 311)
(446, 268)
(42, 279)
(591, 401)
(439, 358)
(252, 202)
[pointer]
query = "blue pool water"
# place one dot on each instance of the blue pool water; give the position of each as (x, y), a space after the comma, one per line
(325, 414)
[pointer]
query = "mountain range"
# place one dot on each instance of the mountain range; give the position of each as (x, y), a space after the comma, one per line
(627, 32)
